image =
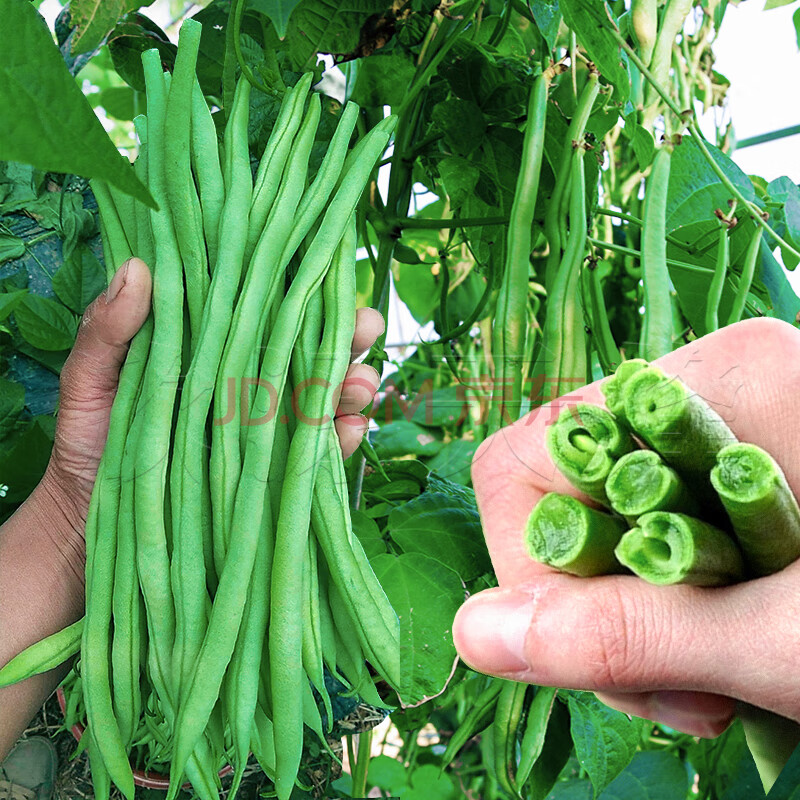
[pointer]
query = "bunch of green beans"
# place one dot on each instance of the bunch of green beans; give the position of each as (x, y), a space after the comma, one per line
(223, 577)
(697, 508)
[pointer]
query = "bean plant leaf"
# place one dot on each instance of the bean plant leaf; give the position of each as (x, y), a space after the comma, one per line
(328, 26)
(135, 34)
(556, 751)
(94, 19)
(45, 324)
(548, 19)
(695, 191)
(445, 529)
(402, 438)
(12, 401)
(279, 11)
(605, 739)
(9, 301)
(23, 465)
(454, 460)
(592, 22)
(79, 280)
(426, 595)
(11, 247)
(651, 775)
(45, 119)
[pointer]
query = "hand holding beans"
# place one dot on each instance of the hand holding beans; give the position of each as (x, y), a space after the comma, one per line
(680, 655)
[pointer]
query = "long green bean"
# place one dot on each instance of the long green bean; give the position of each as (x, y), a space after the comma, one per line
(511, 324)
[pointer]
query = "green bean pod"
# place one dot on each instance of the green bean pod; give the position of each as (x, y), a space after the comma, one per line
(509, 338)
(261, 280)
(678, 424)
(533, 737)
(306, 450)
(563, 350)
(477, 719)
(600, 329)
(717, 281)
(667, 548)
(207, 170)
(242, 677)
(230, 599)
(569, 536)
(554, 222)
(644, 21)
(641, 482)
(746, 280)
(115, 239)
(179, 183)
(763, 510)
(273, 161)
(584, 443)
(43, 655)
(614, 387)
(656, 335)
(508, 714)
(189, 472)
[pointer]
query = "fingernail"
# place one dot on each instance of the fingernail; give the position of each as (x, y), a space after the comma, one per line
(676, 710)
(117, 282)
(493, 629)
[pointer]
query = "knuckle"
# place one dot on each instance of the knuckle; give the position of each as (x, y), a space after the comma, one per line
(619, 656)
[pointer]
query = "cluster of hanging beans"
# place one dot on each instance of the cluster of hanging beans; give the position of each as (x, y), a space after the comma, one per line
(223, 576)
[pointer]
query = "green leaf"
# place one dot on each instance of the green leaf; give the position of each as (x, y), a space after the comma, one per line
(695, 191)
(796, 20)
(368, 533)
(430, 408)
(12, 401)
(555, 754)
(121, 102)
(45, 119)
(328, 26)
(592, 22)
(426, 595)
(605, 739)
(9, 301)
(404, 438)
(405, 254)
(278, 11)
(45, 324)
(776, 4)
(445, 529)
(22, 467)
(460, 177)
(79, 280)
(572, 789)
(387, 773)
(651, 775)
(454, 461)
(462, 122)
(382, 79)
(548, 19)
(94, 19)
(137, 33)
(11, 247)
(641, 140)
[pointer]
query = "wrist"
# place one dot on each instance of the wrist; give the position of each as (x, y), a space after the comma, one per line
(60, 517)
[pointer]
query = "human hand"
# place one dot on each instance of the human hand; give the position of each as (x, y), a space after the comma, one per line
(680, 655)
(89, 383)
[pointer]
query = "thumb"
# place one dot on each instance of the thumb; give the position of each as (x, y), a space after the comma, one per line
(91, 373)
(92, 370)
(618, 634)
